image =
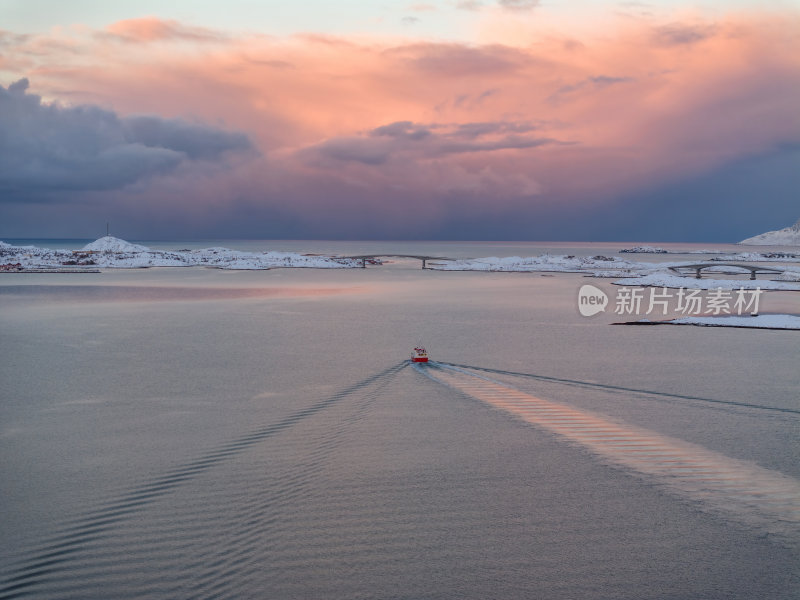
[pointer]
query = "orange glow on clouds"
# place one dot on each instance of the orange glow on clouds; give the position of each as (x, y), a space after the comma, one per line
(540, 118)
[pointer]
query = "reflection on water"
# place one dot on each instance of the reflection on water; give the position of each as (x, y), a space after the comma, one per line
(270, 444)
(144, 293)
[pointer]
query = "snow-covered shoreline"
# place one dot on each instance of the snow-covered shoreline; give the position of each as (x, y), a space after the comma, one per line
(114, 253)
(627, 272)
(604, 266)
(719, 255)
(670, 280)
(779, 321)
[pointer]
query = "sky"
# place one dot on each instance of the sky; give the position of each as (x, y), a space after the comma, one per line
(580, 120)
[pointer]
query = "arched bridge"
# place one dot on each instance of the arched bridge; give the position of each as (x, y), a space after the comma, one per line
(365, 257)
(700, 266)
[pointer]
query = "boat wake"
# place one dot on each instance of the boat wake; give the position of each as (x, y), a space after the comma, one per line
(84, 559)
(755, 496)
(605, 387)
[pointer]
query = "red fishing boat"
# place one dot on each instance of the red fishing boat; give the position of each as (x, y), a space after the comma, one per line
(419, 355)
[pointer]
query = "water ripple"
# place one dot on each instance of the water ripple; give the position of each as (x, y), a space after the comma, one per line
(82, 555)
(757, 496)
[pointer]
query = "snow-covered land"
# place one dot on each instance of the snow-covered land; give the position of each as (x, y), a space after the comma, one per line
(111, 244)
(600, 266)
(644, 250)
(789, 236)
(721, 255)
(659, 250)
(670, 280)
(758, 321)
(632, 273)
(111, 252)
(790, 274)
(759, 257)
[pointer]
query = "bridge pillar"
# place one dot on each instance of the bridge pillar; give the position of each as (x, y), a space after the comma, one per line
(698, 275)
(423, 263)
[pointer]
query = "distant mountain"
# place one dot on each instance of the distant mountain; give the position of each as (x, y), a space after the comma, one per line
(789, 236)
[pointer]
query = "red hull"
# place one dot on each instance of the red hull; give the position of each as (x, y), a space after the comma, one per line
(419, 355)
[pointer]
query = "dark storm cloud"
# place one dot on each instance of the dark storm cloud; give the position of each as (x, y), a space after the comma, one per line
(509, 142)
(605, 80)
(402, 129)
(194, 140)
(473, 130)
(352, 149)
(415, 131)
(457, 60)
(759, 192)
(597, 82)
(473, 100)
(676, 34)
(417, 141)
(49, 147)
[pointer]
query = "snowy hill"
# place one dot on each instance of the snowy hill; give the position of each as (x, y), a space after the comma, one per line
(112, 244)
(111, 252)
(790, 236)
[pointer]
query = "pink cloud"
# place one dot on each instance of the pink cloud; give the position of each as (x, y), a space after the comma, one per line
(556, 120)
(150, 29)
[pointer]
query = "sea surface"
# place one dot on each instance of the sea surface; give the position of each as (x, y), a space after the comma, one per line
(201, 433)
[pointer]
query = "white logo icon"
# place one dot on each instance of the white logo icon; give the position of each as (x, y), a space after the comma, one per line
(591, 300)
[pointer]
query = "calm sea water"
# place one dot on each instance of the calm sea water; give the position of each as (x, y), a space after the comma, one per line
(193, 433)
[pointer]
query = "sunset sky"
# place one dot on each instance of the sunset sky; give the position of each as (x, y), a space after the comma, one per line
(450, 119)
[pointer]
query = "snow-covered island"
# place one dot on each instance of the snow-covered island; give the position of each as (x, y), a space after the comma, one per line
(111, 252)
(759, 257)
(669, 279)
(598, 266)
(627, 272)
(644, 250)
(788, 236)
(741, 321)
(660, 250)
